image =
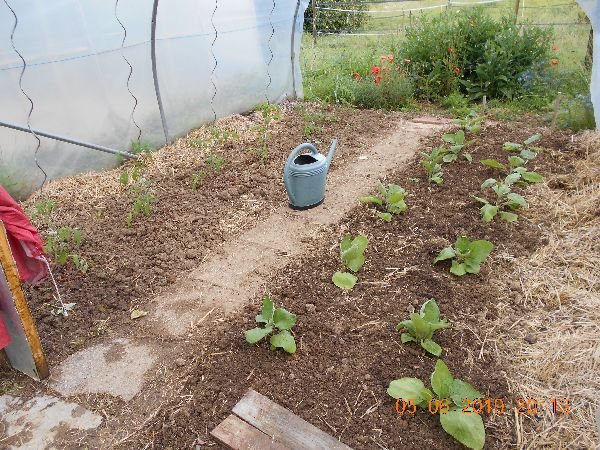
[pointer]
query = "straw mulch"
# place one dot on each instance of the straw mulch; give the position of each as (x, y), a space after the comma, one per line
(551, 346)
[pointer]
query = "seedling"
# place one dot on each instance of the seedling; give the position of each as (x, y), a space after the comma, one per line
(471, 123)
(432, 164)
(60, 244)
(214, 161)
(525, 150)
(269, 113)
(392, 198)
(466, 255)
(197, 179)
(274, 319)
(422, 325)
(516, 165)
(506, 201)
(136, 184)
(454, 401)
(138, 148)
(458, 143)
(353, 258)
(42, 209)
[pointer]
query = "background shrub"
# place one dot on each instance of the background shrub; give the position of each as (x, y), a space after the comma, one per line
(470, 52)
(336, 21)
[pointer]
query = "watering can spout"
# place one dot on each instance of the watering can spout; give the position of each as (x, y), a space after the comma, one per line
(331, 152)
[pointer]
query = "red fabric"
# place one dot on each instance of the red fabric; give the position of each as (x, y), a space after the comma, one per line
(4, 336)
(25, 241)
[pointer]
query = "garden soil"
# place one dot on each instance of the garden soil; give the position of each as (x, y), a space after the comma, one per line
(348, 349)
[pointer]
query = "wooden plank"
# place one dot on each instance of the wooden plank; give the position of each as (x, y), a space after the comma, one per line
(14, 284)
(236, 434)
(283, 425)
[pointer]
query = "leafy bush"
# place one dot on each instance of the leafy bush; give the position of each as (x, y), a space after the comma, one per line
(336, 21)
(470, 52)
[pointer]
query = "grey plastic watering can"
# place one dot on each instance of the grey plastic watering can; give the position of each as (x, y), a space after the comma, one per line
(304, 175)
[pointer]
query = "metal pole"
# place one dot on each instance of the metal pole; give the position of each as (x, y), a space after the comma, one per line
(314, 18)
(293, 49)
(154, 73)
(517, 2)
(68, 140)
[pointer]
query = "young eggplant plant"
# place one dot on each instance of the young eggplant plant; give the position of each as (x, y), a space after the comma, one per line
(506, 201)
(526, 150)
(516, 165)
(274, 319)
(392, 198)
(453, 402)
(353, 258)
(421, 326)
(457, 141)
(466, 255)
(471, 123)
(432, 163)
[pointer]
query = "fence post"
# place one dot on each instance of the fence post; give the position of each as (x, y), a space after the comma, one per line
(314, 18)
(517, 3)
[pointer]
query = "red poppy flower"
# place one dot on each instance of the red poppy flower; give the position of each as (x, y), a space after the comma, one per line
(554, 62)
(390, 58)
(357, 76)
(457, 70)
(382, 57)
(383, 68)
(374, 70)
(377, 79)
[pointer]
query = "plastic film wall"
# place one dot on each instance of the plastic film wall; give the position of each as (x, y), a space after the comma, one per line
(88, 74)
(592, 9)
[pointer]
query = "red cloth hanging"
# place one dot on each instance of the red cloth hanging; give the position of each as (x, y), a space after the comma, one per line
(24, 239)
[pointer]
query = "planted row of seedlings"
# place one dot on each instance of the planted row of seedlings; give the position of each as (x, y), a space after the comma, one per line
(458, 403)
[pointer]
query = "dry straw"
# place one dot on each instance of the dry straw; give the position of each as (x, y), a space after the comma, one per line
(554, 350)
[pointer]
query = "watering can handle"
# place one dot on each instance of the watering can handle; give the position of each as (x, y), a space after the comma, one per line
(290, 160)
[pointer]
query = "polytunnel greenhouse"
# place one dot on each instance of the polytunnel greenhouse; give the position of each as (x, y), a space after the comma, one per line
(307, 224)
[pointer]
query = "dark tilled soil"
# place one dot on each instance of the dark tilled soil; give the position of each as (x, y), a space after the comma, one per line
(348, 350)
(130, 264)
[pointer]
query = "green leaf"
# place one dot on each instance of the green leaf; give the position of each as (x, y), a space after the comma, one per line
(441, 379)
(533, 138)
(437, 178)
(382, 188)
(432, 347)
(446, 253)
(516, 201)
(468, 156)
(124, 178)
(467, 429)
(488, 212)
(480, 250)
(386, 217)
(408, 325)
(487, 183)
(371, 199)
(461, 390)
(430, 311)
(449, 158)
(355, 263)
(528, 154)
(458, 269)
(346, 243)
(283, 319)
(352, 252)
(532, 177)
(515, 161)
(493, 164)
(508, 216)
(411, 389)
(512, 178)
(423, 328)
(462, 245)
(256, 334)
(480, 200)
(344, 280)
(512, 146)
(284, 340)
(449, 137)
(406, 337)
(266, 313)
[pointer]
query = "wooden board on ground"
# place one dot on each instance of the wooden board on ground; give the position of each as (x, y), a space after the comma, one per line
(261, 423)
(25, 351)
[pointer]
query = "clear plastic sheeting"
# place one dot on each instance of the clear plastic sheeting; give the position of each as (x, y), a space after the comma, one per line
(592, 9)
(88, 73)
